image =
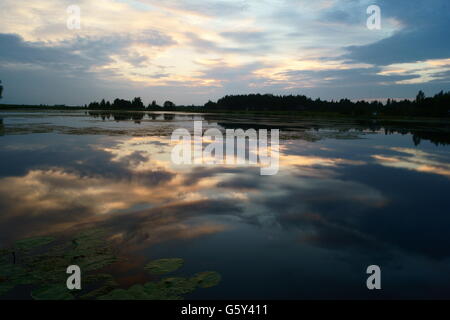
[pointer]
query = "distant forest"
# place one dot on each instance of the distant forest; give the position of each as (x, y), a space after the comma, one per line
(436, 106)
(135, 104)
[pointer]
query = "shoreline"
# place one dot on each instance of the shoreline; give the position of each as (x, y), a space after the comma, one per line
(190, 110)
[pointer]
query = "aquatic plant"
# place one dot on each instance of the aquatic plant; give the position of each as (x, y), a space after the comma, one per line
(30, 262)
(41, 263)
(163, 266)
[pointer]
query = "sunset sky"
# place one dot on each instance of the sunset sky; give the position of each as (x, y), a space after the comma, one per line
(190, 51)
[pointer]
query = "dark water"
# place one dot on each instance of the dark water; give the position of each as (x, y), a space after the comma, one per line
(349, 194)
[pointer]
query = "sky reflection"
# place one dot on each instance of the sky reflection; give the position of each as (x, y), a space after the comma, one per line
(417, 160)
(349, 202)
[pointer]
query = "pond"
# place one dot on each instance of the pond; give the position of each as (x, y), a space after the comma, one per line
(348, 194)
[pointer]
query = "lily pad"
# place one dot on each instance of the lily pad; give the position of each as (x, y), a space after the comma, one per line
(54, 292)
(118, 294)
(163, 266)
(31, 243)
(207, 279)
(177, 286)
(100, 277)
(102, 291)
(166, 289)
(46, 271)
(108, 285)
(14, 274)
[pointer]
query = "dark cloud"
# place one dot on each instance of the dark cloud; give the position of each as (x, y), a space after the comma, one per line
(405, 46)
(404, 223)
(199, 173)
(364, 215)
(346, 77)
(78, 54)
(163, 223)
(423, 36)
(245, 183)
(16, 50)
(60, 73)
(82, 160)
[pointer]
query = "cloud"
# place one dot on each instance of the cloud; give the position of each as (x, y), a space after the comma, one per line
(16, 50)
(210, 8)
(245, 36)
(79, 54)
(192, 51)
(407, 46)
(344, 78)
(421, 37)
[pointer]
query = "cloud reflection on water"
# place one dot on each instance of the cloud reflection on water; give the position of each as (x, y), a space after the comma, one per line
(413, 159)
(142, 182)
(146, 199)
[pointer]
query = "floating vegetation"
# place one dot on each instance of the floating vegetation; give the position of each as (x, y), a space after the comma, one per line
(207, 279)
(165, 289)
(53, 292)
(34, 128)
(163, 266)
(32, 243)
(40, 263)
(26, 262)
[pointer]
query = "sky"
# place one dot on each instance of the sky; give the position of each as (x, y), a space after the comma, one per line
(192, 51)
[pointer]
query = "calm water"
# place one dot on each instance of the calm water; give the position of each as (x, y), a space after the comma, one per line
(348, 195)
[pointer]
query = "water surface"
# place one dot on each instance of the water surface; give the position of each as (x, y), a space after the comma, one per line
(349, 194)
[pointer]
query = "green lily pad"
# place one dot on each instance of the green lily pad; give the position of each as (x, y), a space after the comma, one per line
(149, 291)
(118, 294)
(108, 285)
(136, 292)
(165, 289)
(207, 279)
(100, 277)
(54, 292)
(96, 262)
(163, 266)
(91, 251)
(177, 286)
(45, 271)
(31, 243)
(102, 291)
(14, 274)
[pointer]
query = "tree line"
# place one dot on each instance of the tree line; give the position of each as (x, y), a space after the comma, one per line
(135, 104)
(437, 105)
